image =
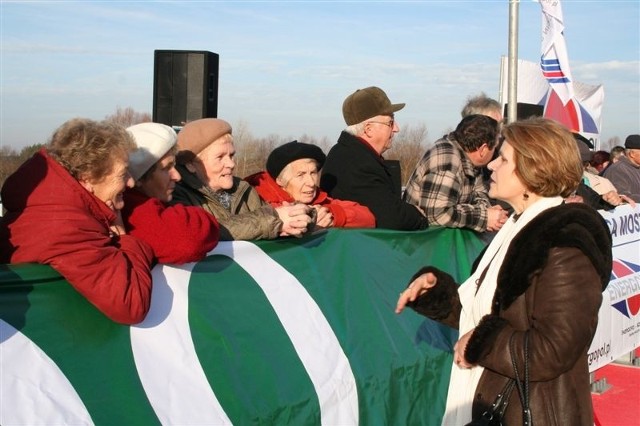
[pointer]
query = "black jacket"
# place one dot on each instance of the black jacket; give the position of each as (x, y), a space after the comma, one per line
(354, 172)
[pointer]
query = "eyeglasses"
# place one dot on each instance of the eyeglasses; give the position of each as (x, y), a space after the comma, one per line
(390, 123)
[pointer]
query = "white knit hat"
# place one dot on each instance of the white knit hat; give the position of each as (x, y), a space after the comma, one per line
(154, 140)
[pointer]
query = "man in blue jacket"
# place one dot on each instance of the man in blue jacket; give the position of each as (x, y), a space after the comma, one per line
(355, 169)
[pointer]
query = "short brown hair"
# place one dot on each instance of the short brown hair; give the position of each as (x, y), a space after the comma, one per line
(88, 149)
(546, 157)
(475, 130)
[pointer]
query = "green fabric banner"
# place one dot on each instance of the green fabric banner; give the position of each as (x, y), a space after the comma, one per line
(290, 331)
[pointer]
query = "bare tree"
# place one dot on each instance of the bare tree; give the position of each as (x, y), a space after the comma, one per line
(409, 144)
(10, 159)
(325, 144)
(241, 134)
(128, 117)
(8, 162)
(252, 156)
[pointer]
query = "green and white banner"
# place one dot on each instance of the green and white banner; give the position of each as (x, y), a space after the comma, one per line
(292, 331)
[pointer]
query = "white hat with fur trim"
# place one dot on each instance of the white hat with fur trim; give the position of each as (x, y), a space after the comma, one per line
(154, 140)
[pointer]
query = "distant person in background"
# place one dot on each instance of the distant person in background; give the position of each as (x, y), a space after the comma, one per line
(482, 104)
(206, 163)
(447, 183)
(590, 176)
(293, 176)
(177, 234)
(616, 153)
(355, 168)
(594, 190)
(625, 173)
(599, 161)
(63, 209)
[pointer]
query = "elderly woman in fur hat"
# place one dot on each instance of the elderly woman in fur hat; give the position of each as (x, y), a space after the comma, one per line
(206, 163)
(293, 176)
(177, 234)
(538, 285)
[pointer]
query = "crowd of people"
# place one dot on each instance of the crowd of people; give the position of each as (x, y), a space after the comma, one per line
(103, 204)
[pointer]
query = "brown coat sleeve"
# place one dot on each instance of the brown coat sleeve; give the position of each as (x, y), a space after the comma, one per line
(560, 308)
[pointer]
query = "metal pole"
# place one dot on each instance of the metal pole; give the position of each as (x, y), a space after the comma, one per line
(512, 89)
(503, 66)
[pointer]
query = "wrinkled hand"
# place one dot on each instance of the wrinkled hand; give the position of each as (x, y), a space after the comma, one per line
(417, 288)
(295, 219)
(324, 218)
(117, 227)
(615, 199)
(458, 351)
(496, 217)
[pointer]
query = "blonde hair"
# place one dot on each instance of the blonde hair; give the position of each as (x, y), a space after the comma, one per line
(546, 156)
(89, 149)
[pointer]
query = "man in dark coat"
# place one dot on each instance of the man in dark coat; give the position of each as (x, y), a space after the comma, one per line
(355, 169)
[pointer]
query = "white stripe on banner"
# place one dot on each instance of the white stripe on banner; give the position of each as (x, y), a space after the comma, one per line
(165, 355)
(171, 372)
(33, 390)
(308, 329)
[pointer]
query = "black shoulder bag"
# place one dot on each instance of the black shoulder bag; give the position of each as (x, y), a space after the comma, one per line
(495, 414)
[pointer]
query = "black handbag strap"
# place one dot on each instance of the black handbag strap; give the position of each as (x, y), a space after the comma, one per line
(504, 398)
(495, 413)
(523, 387)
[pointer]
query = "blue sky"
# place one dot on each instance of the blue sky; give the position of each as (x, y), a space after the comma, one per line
(286, 66)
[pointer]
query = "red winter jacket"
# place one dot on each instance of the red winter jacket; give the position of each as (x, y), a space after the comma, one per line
(52, 219)
(346, 214)
(177, 234)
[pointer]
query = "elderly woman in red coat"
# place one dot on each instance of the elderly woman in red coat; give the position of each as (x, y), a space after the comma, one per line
(63, 209)
(176, 233)
(293, 176)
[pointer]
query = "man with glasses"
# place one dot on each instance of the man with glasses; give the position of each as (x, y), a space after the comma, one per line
(355, 168)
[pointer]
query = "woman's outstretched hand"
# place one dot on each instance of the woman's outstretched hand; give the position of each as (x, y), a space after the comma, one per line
(417, 288)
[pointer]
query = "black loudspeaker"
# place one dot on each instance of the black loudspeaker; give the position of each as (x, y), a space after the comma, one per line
(185, 86)
(525, 110)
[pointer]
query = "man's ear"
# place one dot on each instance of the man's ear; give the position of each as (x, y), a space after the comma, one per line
(484, 149)
(365, 128)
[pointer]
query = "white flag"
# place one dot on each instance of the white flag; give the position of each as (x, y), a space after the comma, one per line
(555, 60)
(583, 114)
